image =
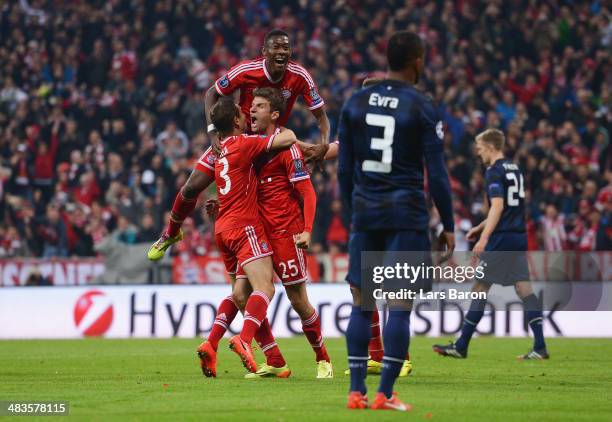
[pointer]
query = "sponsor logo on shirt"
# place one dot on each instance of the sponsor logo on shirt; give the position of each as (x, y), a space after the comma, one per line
(224, 82)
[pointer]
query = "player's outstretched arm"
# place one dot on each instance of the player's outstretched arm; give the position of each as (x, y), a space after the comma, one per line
(493, 217)
(283, 140)
(210, 99)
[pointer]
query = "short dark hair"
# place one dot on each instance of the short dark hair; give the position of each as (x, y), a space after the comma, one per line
(222, 115)
(402, 48)
(275, 33)
(274, 97)
(370, 81)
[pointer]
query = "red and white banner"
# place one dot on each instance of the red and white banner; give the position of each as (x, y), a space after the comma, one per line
(55, 271)
(189, 311)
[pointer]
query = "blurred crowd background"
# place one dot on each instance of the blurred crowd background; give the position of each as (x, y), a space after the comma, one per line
(101, 108)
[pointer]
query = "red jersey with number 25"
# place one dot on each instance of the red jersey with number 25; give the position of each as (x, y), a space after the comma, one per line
(236, 180)
(249, 75)
(280, 208)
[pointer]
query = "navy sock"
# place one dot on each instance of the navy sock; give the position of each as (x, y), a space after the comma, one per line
(471, 320)
(396, 338)
(533, 311)
(358, 335)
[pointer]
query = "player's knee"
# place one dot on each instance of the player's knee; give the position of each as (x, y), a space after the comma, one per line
(240, 299)
(523, 289)
(299, 302)
(356, 292)
(481, 287)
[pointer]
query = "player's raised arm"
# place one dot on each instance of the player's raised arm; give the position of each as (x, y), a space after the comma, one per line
(323, 122)
(439, 183)
(210, 99)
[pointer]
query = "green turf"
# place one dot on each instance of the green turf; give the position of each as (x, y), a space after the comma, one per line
(160, 379)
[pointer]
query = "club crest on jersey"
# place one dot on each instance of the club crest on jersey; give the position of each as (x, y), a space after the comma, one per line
(224, 82)
(440, 130)
(211, 159)
(264, 246)
(286, 93)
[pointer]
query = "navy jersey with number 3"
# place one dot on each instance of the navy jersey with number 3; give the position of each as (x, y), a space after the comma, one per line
(388, 132)
(505, 180)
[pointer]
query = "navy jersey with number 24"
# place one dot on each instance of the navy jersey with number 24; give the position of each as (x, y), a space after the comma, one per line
(505, 180)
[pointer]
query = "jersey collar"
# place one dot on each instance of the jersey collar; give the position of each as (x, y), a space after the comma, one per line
(265, 68)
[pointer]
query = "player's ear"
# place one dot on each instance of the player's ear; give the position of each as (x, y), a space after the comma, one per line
(274, 115)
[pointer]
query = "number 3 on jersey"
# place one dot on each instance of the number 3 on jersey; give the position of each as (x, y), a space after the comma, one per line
(228, 183)
(516, 187)
(384, 144)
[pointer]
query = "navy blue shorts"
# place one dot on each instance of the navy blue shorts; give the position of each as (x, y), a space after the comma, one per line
(506, 259)
(386, 240)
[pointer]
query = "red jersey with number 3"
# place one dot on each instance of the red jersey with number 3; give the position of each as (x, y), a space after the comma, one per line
(279, 206)
(249, 75)
(236, 180)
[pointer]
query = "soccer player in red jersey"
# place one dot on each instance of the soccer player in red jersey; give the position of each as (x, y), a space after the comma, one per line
(281, 177)
(274, 69)
(238, 230)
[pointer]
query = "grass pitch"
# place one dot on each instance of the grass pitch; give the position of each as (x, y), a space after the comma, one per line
(160, 379)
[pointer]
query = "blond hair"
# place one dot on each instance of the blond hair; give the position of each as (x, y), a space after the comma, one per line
(493, 137)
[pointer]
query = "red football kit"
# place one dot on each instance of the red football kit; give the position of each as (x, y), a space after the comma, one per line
(278, 179)
(238, 229)
(250, 75)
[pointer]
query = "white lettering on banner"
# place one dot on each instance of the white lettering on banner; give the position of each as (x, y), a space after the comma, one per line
(61, 272)
(188, 311)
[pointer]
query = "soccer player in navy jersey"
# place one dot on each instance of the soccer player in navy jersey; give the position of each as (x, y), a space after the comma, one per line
(387, 133)
(502, 246)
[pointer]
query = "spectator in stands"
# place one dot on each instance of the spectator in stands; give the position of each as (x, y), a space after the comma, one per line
(103, 107)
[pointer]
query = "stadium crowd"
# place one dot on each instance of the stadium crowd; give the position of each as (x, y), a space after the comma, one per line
(101, 108)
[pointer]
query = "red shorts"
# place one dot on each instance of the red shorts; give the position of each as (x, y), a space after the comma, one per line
(289, 262)
(242, 245)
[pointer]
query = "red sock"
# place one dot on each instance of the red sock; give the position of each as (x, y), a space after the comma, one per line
(254, 313)
(312, 330)
(265, 339)
(225, 315)
(181, 209)
(375, 347)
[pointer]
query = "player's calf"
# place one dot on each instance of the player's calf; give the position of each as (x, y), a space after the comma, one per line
(311, 325)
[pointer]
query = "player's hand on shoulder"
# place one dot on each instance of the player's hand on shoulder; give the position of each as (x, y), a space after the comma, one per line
(215, 143)
(212, 208)
(302, 240)
(314, 153)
